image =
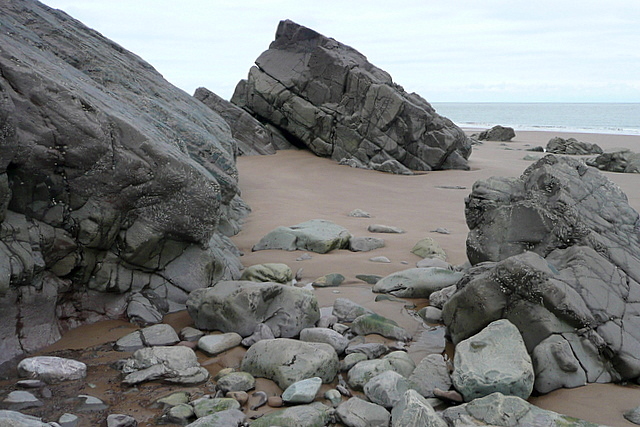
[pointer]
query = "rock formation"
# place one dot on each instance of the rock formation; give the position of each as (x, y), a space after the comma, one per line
(497, 133)
(326, 96)
(556, 252)
(624, 161)
(113, 182)
(571, 146)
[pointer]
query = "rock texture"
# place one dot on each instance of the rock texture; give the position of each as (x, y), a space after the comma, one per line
(329, 98)
(112, 181)
(625, 161)
(571, 146)
(317, 235)
(563, 247)
(497, 133)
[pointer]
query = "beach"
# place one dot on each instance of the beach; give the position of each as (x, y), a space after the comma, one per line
(295, 186)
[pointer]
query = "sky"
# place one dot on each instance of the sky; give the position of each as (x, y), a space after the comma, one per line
(454, 51)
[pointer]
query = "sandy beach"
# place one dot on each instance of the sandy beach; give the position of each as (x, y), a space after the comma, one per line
(295, 186)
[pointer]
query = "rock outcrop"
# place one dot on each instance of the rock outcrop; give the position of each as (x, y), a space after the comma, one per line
(112, 181)
(329, 98)
(497, 133)
(556, 252)
(571, 146)
(624, 161)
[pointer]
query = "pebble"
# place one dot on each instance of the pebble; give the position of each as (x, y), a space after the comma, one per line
(383, 259)
(303, 257)
(18, 400)
(241, 396)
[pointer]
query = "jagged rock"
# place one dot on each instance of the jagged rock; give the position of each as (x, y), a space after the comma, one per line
(497, 133)
(347, 311)
(376, 324)
(431, 372)
(386, 389)
(365, 244)
(155, 335)
(253, 137)
(414, 410)
(112, 181)
(191, 334)
(218, 343)
(269, 272)
(494, 360)
(318, 235)
(356, 412)
(429, 248)
(624, 160)
(142, 311)
(336, 340)
(228, 417)
(236, 381)
(328, 280)
(417, 282)
(330, 98)
(303, 391)
(313, 415)
(286, 361)
(176, 364)
(52, 369)
(571, 146)
(556, 366)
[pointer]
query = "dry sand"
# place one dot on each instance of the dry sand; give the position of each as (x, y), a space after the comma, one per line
(296, 186)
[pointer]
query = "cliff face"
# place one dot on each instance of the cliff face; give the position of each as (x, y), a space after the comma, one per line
(115, 186)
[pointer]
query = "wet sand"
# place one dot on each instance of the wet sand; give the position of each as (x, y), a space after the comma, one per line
(296, 186)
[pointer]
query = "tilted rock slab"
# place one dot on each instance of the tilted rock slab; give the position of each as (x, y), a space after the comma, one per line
(329, 98)
(564, 252)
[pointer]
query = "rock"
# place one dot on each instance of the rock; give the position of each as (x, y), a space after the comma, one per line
(317, 235)
(371, 279)
(191, 334)
(439, 298)
(228, 417)
(625, 161)
(51, 369)
(269, 272)
(328, 280)
(19, 400)
(241, 396)
(365, 244)
(121, 420)
(350, 360)
(434, 262)
(325, 335)
(329, 97)
(327, 321)
(176, 364)
(571, 146)
(303, 391)
(633, 415)
(69, 420)
(556, 366)
(286, 361)
(174, 399)
(429, 248)
(313, 415)
(432, 372)
(380, 228)
(359, 213)
(239, 306)
(260, 332)
(14, 418)
(90, 404)
(31, 383)
(207, 405)
(356, 412)
(371, 350)
(112, 182)
(500, 410)
(494, 360)
(253, 137)
(448, 395)
(304, 257)
(414, 410)
(347, 311)
(236, 381)
(430, 314)
(161, 334)
(129, 342)
(386, 389)
(363, 371)
(216, 344)
(334, 397)
(143, 312)
(417, 282)
(382, 259)
(180, 414)
(497, 133)
(376, 324)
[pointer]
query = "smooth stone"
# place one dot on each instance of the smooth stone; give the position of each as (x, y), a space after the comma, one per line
(51, 369)
(363, 371)
(90, 404)
(430, 314)
(19, 400)
(160, 334)
(129, 342)
(431, 372)
(327, 336)
(417, 282)
(414, 410)
(260, 332)
(304, 257)
(9, 418)
(371, 350)
(269, 272)
(69, 420)
(633, 415)
(386, 389)
(314, 414)
(350, 360)
(317, 235)
(222, 372)
(556, 366)
(334, 397)
(121, 420)
(327, 321)
(219, 343)
(174, 399)
(356, 412)
(191, 334)
(371, 279)
(448, 395)
(359, 213)
(429, 248)
(328, 280)
(207, 406)
(228, 417)
(275, 401)
(365, 244)
(380, 228)
(347, 311)
(302, 391)
(381, 259)
(376, 324)
(30, 383)
(433, 262)
(439, 298)
(180, 414)
(236, 381)
(401, 362)
(241, 396)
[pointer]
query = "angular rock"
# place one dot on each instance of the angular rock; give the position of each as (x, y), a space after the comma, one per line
(228, 417)
(571, 146)
(52, 369)
(414, 410)
(336, 340)
(328, 280)
(121, 420)
(260, 332)
(129, 342)
(207, 406)
(236, 381)
(432, 372)
(356, 412)
(331, 99)
(318, 235)
(216, 344)
(624, 161)
(381, 228)
(347, 311)
(269, 272)
(19, 400)
(417, 282)
(497, 133)
(376, 324)
(439, 298)
(371, 350)
(143, 312)
(386, 389)
(556, 366)
(240, 306)
(313, 415)
(173, 364)
(286, 361)
(302, 391)
(365, 244)
(190, 334)
(160, 334)
(494, 360)
(14, 418)
(429, 248)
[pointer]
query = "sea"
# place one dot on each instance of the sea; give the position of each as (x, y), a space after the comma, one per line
(610, 118)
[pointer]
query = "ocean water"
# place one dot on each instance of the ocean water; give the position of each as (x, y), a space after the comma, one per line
(584, 117)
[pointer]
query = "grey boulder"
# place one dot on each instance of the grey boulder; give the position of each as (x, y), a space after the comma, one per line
(497, 133)
(623, 161)
(303, 391)
(52, 369)
(336, 340)
(571, 146)
(217, 343)
(269, 272)
(225, 418)
(365, 244)
(176, 364)
(417, 282)
(431, 372)
(356, 412)
(317, 235)
(386, 388)
(413, 410)
(312, 415)
(347, 311)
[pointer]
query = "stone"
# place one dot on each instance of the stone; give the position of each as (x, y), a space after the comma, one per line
(381, 259)
(571, 146)
(371, 279)
(239, 306)
(439, 298)
(303, 391)
(327, 321)
(19, 400)
(363, 371)
(448, 395)
(359, 213)
(431, 372)
(633, 415)
(325, 335)
(414, 410)
(191, 334)
(430, 314)
(218, 343)
(90, 404)
(174, 399)
(494, 360)
(304, 257)
(328, 280)
(228, 417)
(328, 97)
(314, 414)
(347, 311)
(623, 161)
(370, 350)
(286, 361)
(275, 401)
(433, 262)
(556, 365)
(429, 248)
(13, 418)
(260, 332)
(417, 282)
(497, 133)
(350, 360)
(386, 389)
(129, 342)
(356, 412)
(365, 244)
(318, 235)
(52, 369)
(208, 405)
(69, 420)
(380, 228)
(180, 414)
(376, 324)
(160, 334)
(121, 420)
(269, 272)
(176, 364)
(31, 383)
(143, 312)
(241, 396)
(401, 362)
(236, 381)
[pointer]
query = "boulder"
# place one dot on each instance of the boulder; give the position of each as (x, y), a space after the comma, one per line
(217, 343)
(18, 400)
(286, 361)
(52, 369)
(228, 417)
(429, 248)
(386, 389)
(269, 272)
(260, 332)
(381, 228)
(376, 324)
(356, 412)
(312, 415)
(624, 160)
(239, 307)
(121, 420)
(207, 405)
(302, 391)
(362, 372)
(318, 235)
(431, 372)
(336, 340)
(328, 280)
(13, 418)
(347, 311)
(365, 244)
(571, 146)
(417, 282)
(176, 364)
(329, 98)
(236, 381)
(414, 410)
(497, 133)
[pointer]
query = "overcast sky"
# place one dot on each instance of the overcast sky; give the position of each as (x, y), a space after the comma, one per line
(457, 51)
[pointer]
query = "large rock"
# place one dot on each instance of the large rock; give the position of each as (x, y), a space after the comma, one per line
(356, 412)
(112, 181)
(52, 369)
(327, 96)
(287, 361)
(239, 306)
(414, 410)
(317, 235)
(565, 262)
(497, 133)
(417, 282)
(313, 415)
(571, 146)
(624, 160)
(176, 364)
